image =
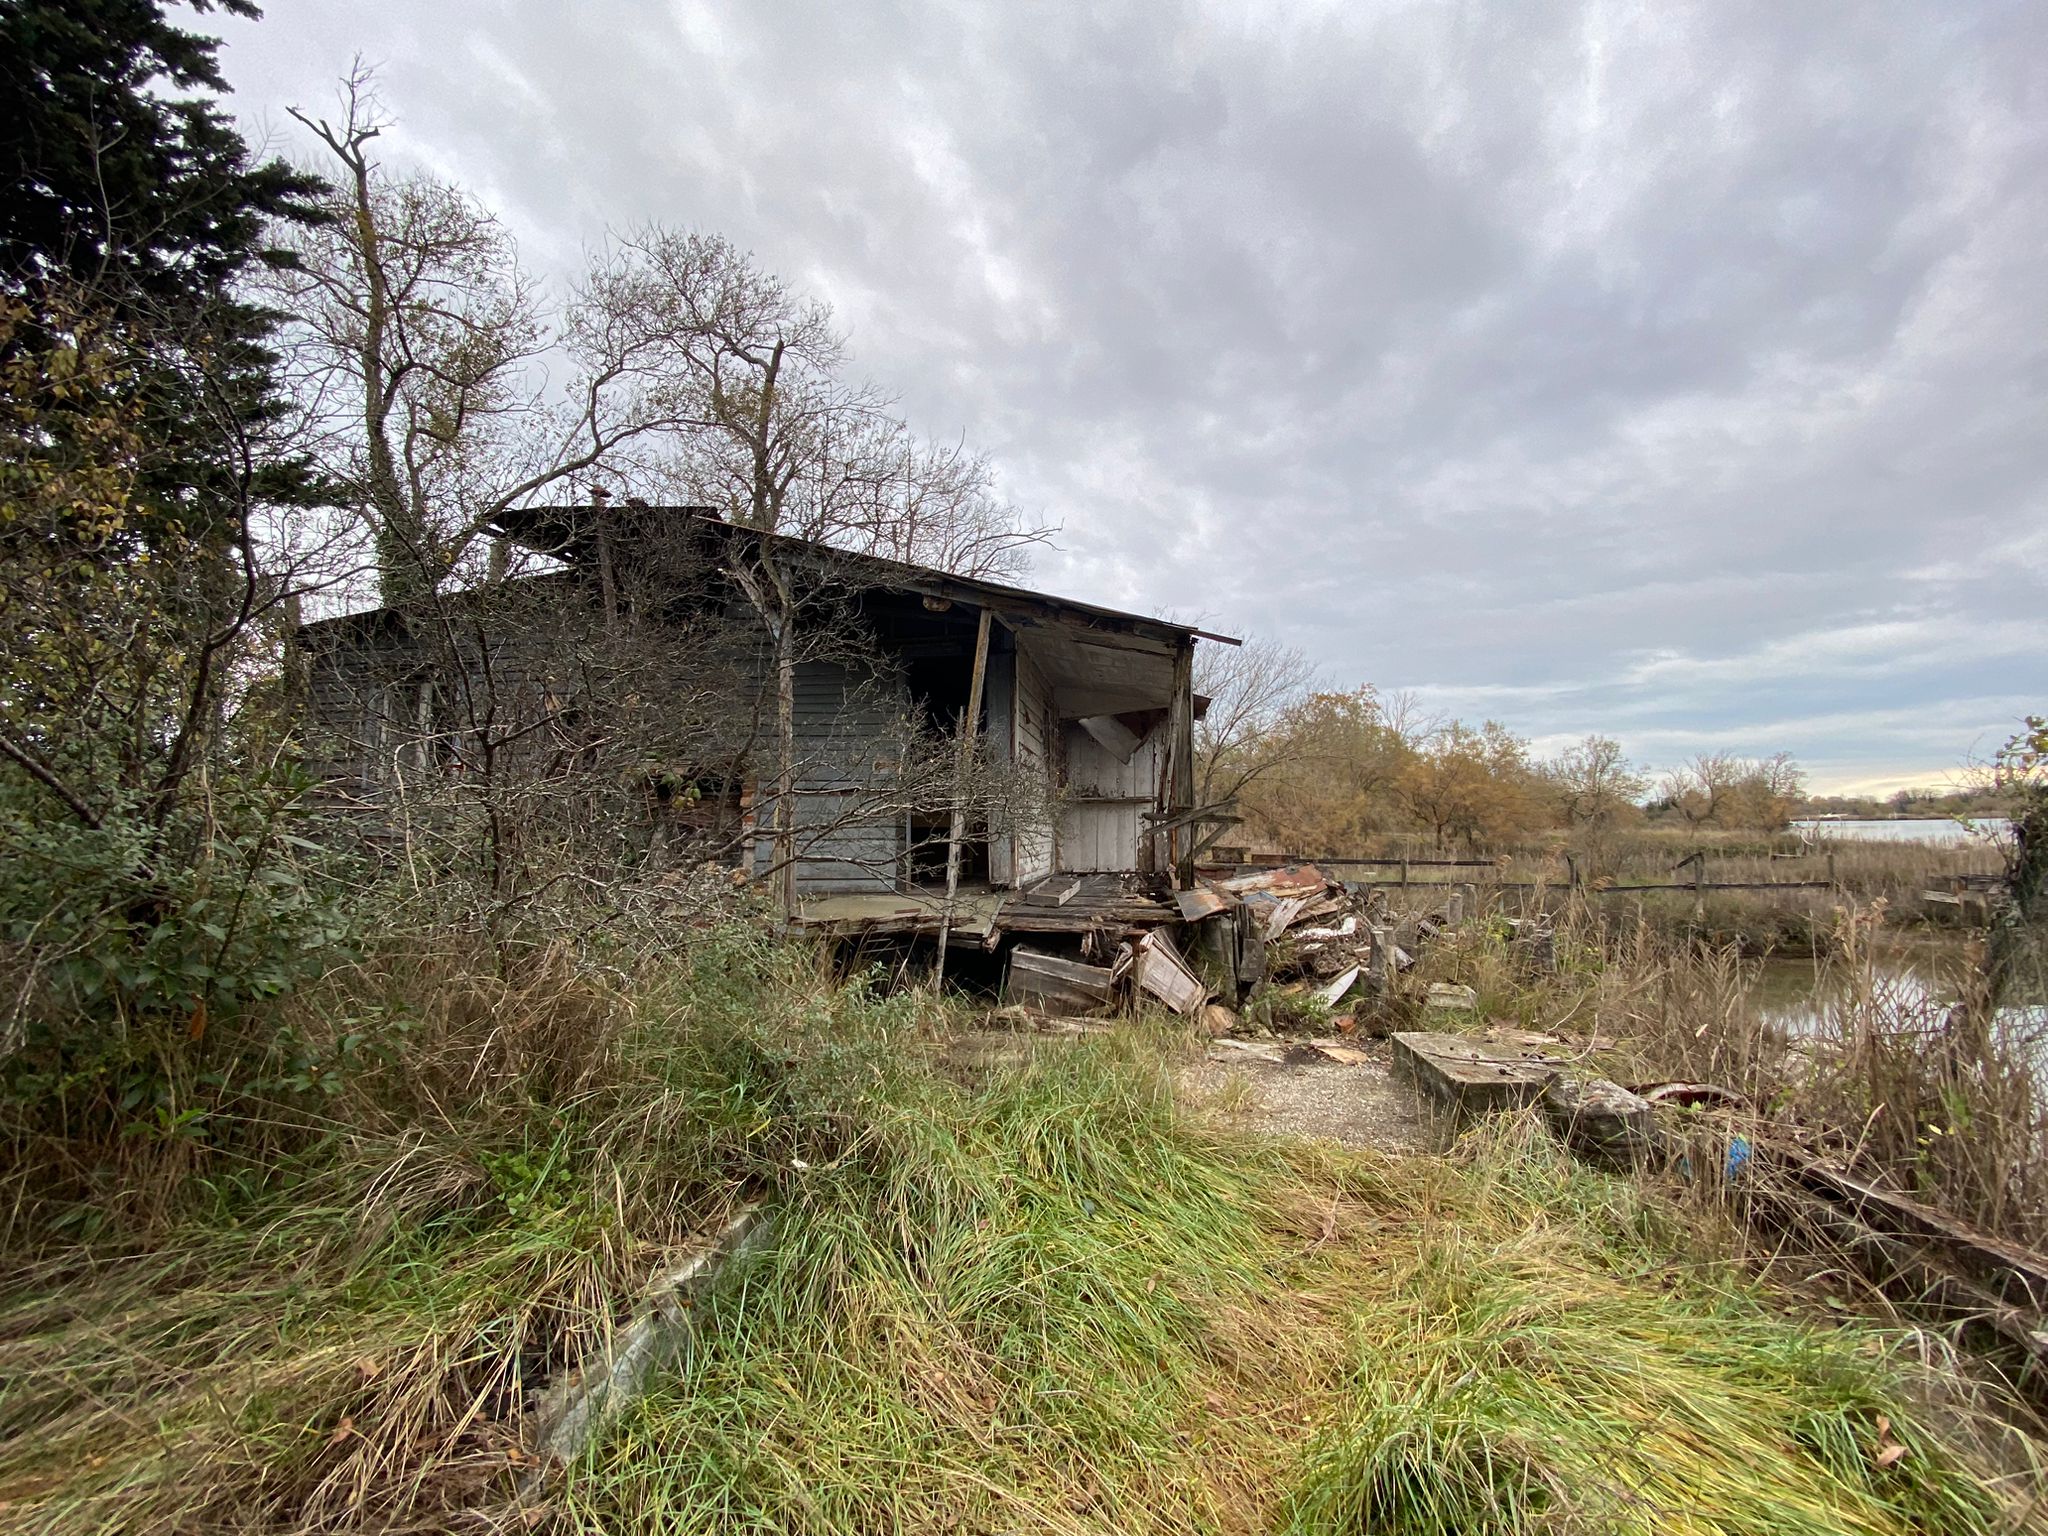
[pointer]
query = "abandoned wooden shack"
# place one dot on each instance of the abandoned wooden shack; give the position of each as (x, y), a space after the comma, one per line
(957, 756)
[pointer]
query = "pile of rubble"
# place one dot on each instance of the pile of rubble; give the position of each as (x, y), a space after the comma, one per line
(1292, 931)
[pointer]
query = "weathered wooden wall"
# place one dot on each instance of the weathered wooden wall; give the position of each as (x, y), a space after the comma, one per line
(1034, 749)
(850, 736)
(1105, 798)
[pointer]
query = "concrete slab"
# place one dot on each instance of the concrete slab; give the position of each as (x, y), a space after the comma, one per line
(1602, 1122)
(1465, 1078)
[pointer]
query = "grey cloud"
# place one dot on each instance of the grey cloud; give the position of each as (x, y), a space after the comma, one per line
(1595, 366)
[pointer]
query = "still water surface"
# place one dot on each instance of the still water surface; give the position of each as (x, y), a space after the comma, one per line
(1910, 829)
(1912, 972)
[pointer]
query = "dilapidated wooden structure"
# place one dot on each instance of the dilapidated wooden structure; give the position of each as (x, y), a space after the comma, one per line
(1085, 714)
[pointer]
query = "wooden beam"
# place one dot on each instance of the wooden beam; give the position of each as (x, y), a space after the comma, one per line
(970, 724)
(1181, 786)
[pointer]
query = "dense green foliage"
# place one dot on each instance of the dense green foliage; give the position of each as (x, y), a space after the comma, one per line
(128, 183)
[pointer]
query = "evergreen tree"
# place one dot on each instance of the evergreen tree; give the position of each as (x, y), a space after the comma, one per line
(132, 197)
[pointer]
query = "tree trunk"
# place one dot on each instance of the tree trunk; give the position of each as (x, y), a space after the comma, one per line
(785, 763)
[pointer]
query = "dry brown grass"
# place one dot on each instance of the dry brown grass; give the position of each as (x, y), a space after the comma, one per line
(1906, 1077)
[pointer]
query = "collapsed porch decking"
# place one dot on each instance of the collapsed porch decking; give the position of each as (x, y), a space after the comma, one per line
(982, 913)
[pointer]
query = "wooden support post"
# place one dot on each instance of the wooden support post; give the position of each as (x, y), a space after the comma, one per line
(1181, 774)
(970, 724)
(1380, 963)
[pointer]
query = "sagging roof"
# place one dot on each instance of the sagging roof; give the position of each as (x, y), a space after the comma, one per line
(570, 533)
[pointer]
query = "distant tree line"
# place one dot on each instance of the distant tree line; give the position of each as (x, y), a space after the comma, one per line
(1329, 770)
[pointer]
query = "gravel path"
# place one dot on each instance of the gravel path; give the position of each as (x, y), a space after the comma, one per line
(1292, 1089)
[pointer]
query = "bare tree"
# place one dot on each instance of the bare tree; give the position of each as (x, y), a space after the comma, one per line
(1249, 689)
(1595, 783)
(423, 343)
(791, 449)
(1700, 790)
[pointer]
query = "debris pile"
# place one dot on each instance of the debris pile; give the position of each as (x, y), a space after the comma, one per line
(1289, 934)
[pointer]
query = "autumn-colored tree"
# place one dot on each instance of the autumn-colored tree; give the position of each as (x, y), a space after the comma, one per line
(1334, 763)
(1474, 786)
(1720, 789)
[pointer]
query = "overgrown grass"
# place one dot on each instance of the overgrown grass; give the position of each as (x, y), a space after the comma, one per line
(345, 1317)
(1534, 1363)
(1040, 1298)
(1051, 1303)
(1908, 1077)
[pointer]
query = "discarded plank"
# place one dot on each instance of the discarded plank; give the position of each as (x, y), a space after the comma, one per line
(1251, 949)
(576, 1407)
(1341, 1051)
(1163, 973)
(1284, 912)
(1333, 994)
(1198, 903)
(1038, 978)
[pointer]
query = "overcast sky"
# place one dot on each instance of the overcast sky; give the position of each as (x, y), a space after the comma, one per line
(1672, 371)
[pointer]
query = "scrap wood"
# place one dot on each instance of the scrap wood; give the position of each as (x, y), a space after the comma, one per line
(1253, 1048)
(1341, 1051)
(1163, 973)
(1034, 975)
(1334, 992)
(1288, 879)
(1284, 912)
(1200, 903)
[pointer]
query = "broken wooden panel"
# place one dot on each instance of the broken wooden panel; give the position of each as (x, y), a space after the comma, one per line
(1037, 979)
(1112, 735)
(1251, 948)
(1034, 752)
(1163, 973)
(1102, 824)
(1283, 914)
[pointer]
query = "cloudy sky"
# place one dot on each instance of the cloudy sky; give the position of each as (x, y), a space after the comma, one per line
(1673, 371)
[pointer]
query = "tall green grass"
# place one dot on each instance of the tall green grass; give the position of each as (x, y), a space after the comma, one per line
(1038, 1297)
(1051, 1302)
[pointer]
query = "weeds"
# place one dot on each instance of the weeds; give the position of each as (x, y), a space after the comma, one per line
(1909, 1077)
(1074, 1312)
(1043, 1299)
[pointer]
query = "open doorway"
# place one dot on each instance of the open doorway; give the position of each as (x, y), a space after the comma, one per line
(939, 675)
